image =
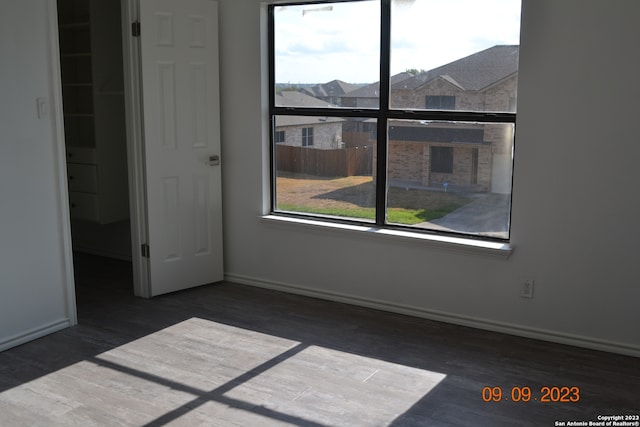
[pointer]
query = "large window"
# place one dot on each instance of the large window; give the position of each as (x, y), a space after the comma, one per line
(400, 126)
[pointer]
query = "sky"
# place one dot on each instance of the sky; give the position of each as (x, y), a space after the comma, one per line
(317, 43)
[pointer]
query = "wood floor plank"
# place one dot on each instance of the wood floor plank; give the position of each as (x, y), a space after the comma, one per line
(232, 355)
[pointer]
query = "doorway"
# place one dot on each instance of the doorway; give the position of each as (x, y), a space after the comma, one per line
(91, 61)
(156, 100)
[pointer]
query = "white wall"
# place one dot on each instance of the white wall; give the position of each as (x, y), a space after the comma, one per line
(576, 210)
(36, 281)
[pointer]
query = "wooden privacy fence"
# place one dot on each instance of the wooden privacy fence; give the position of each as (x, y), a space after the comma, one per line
(319, 162)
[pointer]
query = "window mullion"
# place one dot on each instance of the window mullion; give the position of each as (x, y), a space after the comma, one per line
(381, 147)
(272, 120)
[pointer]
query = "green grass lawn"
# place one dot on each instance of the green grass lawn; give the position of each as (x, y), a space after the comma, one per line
(406, 207)
(394, 215)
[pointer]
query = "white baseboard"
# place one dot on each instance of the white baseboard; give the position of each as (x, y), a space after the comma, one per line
(489, 325)
(35, 333)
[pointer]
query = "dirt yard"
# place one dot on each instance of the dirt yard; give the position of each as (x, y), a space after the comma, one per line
(343, 193)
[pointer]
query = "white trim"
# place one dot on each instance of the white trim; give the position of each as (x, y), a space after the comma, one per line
(35, 333)
(456, 244)
(135, 148)
(57, 123)
(456, 319)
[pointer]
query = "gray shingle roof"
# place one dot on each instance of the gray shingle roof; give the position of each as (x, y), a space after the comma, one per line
(373, 90)
(332, 88)
(474, 72)
(297, 99)
(293, 98)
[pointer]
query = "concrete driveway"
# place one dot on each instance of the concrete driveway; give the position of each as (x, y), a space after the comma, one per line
(487, 215)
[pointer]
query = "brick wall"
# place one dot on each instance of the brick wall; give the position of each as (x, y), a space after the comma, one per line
(405, 160)
(410, 160)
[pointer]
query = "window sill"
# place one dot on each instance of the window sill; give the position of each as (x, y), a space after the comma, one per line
(457, 244)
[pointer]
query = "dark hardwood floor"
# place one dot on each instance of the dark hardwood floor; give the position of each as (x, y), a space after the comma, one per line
(232, 355)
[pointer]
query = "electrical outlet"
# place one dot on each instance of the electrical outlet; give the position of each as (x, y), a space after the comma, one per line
(527, 289)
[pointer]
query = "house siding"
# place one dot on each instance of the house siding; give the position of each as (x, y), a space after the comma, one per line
(325, 136)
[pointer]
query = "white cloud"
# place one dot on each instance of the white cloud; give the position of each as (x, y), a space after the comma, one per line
(316, 45)
(430, 33)
(319, 45)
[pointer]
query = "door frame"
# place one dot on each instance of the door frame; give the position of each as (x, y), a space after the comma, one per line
(57, 119)
(130, 10)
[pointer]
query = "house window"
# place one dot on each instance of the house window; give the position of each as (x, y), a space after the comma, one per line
(307, 137)
(442, 159)
(279, 137)
(400, 136)
(440, 102)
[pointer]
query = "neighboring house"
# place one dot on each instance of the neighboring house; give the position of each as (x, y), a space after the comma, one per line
(319, 145)
(303, 131)
(472, 156)
(483, 81)
(432, 154)
(331, 92)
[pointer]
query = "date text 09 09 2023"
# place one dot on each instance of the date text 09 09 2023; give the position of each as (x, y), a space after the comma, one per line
(551, 394)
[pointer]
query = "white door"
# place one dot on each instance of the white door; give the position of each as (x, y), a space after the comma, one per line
(181, 132)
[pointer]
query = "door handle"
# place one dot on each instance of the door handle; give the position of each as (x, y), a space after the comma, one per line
(214, 160)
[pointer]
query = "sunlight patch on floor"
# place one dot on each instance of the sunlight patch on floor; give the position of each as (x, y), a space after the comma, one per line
(199, 372)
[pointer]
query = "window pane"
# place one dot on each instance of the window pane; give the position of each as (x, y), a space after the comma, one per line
(325, 51)
(444, 172)
(331, 176)
(455, 54)
(451, 176)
